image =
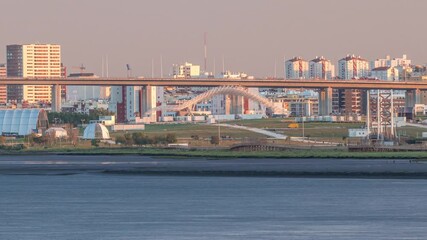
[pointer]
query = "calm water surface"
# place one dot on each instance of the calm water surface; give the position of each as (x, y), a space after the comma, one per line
(110, 206)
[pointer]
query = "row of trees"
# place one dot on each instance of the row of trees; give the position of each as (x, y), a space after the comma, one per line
(77, 118)
(139, 138)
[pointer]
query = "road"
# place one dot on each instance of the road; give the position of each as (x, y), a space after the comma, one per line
(277, 135)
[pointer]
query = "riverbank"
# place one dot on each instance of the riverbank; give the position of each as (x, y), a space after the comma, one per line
(220, 154)
(198, 166)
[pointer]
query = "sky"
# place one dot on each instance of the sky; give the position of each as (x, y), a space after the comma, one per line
(250, 36)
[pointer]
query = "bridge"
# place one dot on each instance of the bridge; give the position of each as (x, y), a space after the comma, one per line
(216, 82)
(225, 90)
(324, 86)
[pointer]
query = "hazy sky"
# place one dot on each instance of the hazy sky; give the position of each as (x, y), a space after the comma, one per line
(251, 35)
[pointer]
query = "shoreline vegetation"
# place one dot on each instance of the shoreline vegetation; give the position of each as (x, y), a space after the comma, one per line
(221, 153)
(321, 140)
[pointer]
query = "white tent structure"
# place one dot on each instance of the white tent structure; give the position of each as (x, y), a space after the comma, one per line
(57, 132)
(22, 122)
(96, 131)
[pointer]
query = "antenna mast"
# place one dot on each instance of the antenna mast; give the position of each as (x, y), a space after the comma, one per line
(206, 51)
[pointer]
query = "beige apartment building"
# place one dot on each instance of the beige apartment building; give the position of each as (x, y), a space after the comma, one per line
(32, 61)
(3, 88)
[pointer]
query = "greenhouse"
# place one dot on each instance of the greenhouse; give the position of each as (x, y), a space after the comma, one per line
(22, 122)
(57, 132)
(96, 131)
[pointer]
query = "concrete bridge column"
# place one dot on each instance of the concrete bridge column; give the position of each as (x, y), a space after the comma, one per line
(325, 101)
(147, 100)
(412, 97)
(56, 98)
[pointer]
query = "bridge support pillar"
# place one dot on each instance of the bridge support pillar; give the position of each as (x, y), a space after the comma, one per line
(56, 98)
(412, 97)
(325, 101)
(147, 100)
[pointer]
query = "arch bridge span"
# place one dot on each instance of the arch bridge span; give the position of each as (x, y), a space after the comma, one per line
(225, 90)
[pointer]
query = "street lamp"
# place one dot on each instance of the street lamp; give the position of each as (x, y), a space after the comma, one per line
(303, 135)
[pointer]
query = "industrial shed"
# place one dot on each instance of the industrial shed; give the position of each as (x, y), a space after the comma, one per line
(22, 122)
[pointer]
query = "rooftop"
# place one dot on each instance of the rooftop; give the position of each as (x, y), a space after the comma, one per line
(353, 57)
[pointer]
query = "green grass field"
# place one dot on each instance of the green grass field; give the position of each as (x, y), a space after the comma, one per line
(317, 130)
(202, 130)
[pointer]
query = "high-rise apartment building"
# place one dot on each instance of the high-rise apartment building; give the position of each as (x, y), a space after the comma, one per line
(296, 68)
(3, 88)
(353, 67)
(350, 102)
(321, 68)
(32, 61)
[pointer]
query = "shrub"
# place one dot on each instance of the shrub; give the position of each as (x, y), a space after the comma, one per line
(215, 140)
(94, 142)
(120, 139)
(170, 138)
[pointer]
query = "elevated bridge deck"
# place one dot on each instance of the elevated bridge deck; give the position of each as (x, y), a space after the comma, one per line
(211, 82)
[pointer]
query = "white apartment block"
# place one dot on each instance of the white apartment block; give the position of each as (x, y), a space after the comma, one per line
(296, 68)
(187, 70)
(33, 61)
(391, 62)
(385, 73)
(321, 68)
(352, 67)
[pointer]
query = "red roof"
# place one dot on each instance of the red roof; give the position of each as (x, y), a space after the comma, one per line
(319, 59)
(296, 59)
(352, 57)
(381, 69)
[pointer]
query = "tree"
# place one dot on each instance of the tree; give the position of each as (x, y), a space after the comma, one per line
(344, 140)
(78, 118)
(171, 138)
(94, 142)
(140, 139)
(159, 139)
(215, 140)
(34, 139)
(120, 139)
(128, 139)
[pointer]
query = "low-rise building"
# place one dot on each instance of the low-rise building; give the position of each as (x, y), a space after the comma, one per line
(186, 70)
(385, 73)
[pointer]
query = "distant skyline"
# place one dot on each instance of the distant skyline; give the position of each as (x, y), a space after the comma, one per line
(251, 35)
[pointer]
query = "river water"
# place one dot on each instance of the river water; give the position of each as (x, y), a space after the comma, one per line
(37, 205)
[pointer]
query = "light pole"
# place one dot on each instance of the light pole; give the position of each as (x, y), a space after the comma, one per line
(303, 135)
(219, 132)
